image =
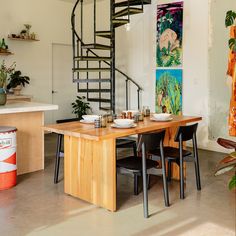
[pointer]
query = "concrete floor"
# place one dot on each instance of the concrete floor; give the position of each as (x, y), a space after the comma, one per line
(38, 207)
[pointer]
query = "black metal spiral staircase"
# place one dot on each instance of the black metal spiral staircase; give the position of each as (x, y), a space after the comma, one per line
(94, 64)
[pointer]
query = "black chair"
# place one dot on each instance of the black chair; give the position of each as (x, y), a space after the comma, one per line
(59, 150)
(179, 155)
(139, 166)
(120, 143)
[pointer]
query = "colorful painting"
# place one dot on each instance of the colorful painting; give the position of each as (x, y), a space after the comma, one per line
(169, 91)
(169, 35)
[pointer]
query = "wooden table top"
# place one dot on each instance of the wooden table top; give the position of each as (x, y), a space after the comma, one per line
(87, 131)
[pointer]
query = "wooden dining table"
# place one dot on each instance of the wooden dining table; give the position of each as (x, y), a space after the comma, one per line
(90, 156)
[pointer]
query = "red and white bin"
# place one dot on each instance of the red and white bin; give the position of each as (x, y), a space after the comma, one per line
(8, 168)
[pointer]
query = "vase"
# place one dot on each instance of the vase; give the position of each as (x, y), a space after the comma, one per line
(17, 90)
(3, 96)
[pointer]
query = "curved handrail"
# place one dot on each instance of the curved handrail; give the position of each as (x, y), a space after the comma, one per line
(75, 32)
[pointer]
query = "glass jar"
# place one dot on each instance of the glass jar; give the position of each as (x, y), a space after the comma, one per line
(104, 121)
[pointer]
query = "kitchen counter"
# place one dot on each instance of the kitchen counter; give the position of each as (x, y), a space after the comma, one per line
(28, 118)
(19, 107)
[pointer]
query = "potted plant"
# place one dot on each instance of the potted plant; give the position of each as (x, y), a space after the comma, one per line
(5, 72)
(80, 107)
(17, 81)
(228, 163)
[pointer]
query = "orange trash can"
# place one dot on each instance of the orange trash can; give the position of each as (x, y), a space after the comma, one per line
(8, 168)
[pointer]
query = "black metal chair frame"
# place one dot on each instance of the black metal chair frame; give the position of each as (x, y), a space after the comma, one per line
(185, 133)
(147, 142)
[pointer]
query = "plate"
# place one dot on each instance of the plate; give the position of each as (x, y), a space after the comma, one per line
(123, 127)
(87, 121)
(169, 119)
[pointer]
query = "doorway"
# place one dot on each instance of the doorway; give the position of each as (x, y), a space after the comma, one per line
(64, 91)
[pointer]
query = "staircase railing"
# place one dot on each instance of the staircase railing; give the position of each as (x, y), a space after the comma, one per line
(77, 42)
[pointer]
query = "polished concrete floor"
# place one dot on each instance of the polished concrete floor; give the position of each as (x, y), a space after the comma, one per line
(38, 207)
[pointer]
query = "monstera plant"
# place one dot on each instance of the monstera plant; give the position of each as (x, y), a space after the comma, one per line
(230, 21)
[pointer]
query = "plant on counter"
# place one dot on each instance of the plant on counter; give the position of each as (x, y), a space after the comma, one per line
(80, 107)
(17, 79)
(5, 72)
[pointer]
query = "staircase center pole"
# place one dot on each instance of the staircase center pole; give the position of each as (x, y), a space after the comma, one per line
(113, 80)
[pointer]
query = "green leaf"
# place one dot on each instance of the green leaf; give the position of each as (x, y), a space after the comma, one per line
(232, 183)
(232, 44)
(230, 18)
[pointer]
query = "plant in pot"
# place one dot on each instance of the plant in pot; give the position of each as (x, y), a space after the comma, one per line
(17, 81)
(5, 72)
(80, 107)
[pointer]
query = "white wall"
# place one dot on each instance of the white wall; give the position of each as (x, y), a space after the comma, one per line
(135, 50)
(140, 49)
(220, 86)
(50, 20)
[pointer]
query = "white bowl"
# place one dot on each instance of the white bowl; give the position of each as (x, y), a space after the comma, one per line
(161, 116)
(124, 122)
(90, 117)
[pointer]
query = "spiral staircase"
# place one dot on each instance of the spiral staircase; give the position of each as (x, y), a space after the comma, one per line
(94, 64)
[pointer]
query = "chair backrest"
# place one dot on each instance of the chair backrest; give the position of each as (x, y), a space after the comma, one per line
(186, 132)
(150, 140)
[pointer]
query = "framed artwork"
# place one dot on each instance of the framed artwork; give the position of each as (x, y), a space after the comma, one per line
(169, 35)
(169, 91)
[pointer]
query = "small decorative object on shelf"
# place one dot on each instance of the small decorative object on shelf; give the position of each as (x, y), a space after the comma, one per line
(4, 48)
(24, 35)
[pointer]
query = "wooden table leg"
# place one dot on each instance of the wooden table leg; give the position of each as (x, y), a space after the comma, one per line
(90, 170)
(169, 141)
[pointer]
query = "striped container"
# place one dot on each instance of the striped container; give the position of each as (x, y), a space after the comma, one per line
(8, 168)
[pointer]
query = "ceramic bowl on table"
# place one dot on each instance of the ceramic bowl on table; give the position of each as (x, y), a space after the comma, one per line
(124, 122)
(162, 116)
(90, 118)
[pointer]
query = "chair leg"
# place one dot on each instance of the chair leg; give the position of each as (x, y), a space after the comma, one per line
(148, 181)
(57, 163)
(196, 163)
(169, 171)
(144, 174)
(136, 184)
(135, 149)
(181, 168)
(165, 185)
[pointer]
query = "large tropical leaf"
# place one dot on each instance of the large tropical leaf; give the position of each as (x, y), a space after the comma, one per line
(230, 18)
(232, 44)
(232, 183)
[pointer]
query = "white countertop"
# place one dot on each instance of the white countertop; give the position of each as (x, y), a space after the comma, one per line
(18, 107)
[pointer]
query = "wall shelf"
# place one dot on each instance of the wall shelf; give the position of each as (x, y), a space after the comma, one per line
(27, 40)
(6, 53)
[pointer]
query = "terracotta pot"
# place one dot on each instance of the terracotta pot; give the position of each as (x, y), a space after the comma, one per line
(3, 96)
(17, 90)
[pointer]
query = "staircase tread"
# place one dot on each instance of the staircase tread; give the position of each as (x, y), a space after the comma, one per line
(132, 3)
(99, 100)
(128, 11)
(92, 80)
(105, 108)
(95, 90)
(89, 58)
(96, 46)
(92, 69)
